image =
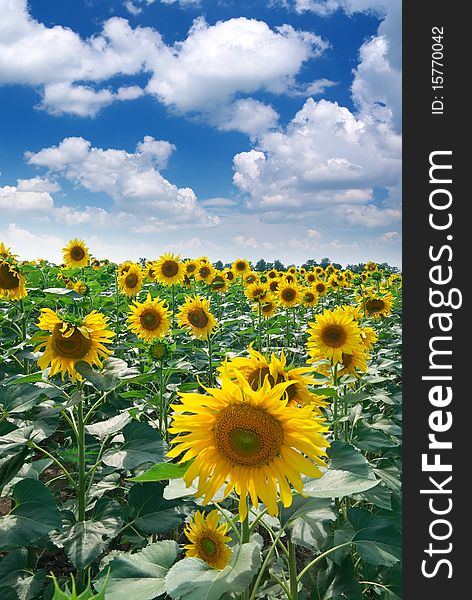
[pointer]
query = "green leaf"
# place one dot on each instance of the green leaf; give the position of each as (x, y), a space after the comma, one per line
(162, 471)
(345, 585)
(152, 512)
(16, 580)
(336, 484)
(344, 457)
(104, 428)
(140, 575)
(84, 541)
(68, 293)
(377, 541)
(142, 444)
(380, 496)
(10, 466)
(20, 398)
(33, 516)
(113, 373)
(308, 521)
(193, 579)
(71, 594)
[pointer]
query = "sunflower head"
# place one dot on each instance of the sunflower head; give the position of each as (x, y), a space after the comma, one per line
(219, 283)
(250, 440)
(289, 294)
(169, 269)
(149, 319)
(5, 252)
(310, 297)
(205, 271)
(229, 274)
(12, 281)
(67, 341)
(196, 318)
(208, 539)
(131, 280)
(268, 306)
(378, 305)
(257, 292)
(160, 350)
(333, 334)
(95, 264)
(240, 267)
(191, 267)
(76, 254)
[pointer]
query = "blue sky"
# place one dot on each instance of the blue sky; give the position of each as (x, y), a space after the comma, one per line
(265, 129)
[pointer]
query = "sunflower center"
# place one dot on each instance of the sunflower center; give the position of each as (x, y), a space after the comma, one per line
(334, 336)
(320, 287)
(131, 280)
(70, 345)
(240, 266)
(198, 318)
(267, 307)
(374, 305)
(218, 284)
(150, 319)
(248, 436)
(204, 272)
(256, 377)
(170, 268)
(309, 297)
(230, 276)
(77, 253)
(273, 286)
(8, 280)
(208, 546)
(288, 294)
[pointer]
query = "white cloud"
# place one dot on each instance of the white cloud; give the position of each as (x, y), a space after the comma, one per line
(369, 216)
(31, 246)
(313, 234)
(326, 156)
(131, 179)
(248, 116)
(204, 73)
(30, 196)
(319, 86)
(250, 242)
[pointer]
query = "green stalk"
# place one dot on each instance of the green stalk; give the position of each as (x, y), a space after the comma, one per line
(259, 326)
(335, 402)
(210, 361)
(81, 484)
(23, 333)
(292, 570)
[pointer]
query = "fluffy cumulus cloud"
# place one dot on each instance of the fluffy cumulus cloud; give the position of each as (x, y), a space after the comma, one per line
(211, 69)
(29, 196)
(248, 116)
(326, 160)
(132, 179)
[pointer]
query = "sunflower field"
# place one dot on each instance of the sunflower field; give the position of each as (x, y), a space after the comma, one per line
(171, 430)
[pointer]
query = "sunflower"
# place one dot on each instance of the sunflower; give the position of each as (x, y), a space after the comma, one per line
(149, 270)
(131, 281)
(268, 306)
(208, 539)
(95, 264)
(319, 271)
(272, 274)
(320, 287)
(80, 287)
(251, 277)
(219, 283)
(350, 363)
(370, 266)
(311, 277)
(377, 306)
(368, 337)
(257, 368)
(148, 319)
(160, 350)
(65, 343)
(333, 334)
(274, 285)
(190, 267)
(12, 282)
(330, 269)
(205, 271)
(229, 274)
(293, 270)
(169, 270)
(240, 267)
(256, 292)
(310, 297)
(249, 439)
(6, 252)
(289, 278)
(289, 294)
(76, 254)
(195, 316)
(333, 282)
(124, 267)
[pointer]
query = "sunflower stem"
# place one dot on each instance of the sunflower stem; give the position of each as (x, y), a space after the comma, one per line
(335, 402)
(210, 361)
(81, 461)
(117, 310)
(259, 326)
(292, 569)
(23, 333)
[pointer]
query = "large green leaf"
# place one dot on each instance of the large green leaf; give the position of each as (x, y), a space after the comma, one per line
(344, 457)
(113, 373)
(33, 516)
(152, 513)
(377, 541)
(112, 425)
(162, 472)
(193, 579)
(308, 520)
(10, 466)
(336, 484)
(139, 576)
(84, 541)
(17, 582)
(64, 292)
(142, 444)
(20, 398)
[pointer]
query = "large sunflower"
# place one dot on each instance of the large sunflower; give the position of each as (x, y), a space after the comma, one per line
(66, 343)
(131, 281)
(333, 334)
(195, 316)
(208, 539)
(169, 270)
(149, 319)
(76, 254)
(12, 282)
(289, 294)
(249, 439)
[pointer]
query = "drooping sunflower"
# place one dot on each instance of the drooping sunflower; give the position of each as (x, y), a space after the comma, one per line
(249, 439)
(268, 306)
(131, 281)
(310, 297)
(377, 306)
(256, 368)
(65, 343)
(76, 254)
(289, 294)
(169, 270)
(333, 334)
(368, 337)
(149, 319)
(5, 252)
(12, 281)
(219, 283)
(208, 539)
(195, 316)
(240, 267)
(124, 267)
(256, 292)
